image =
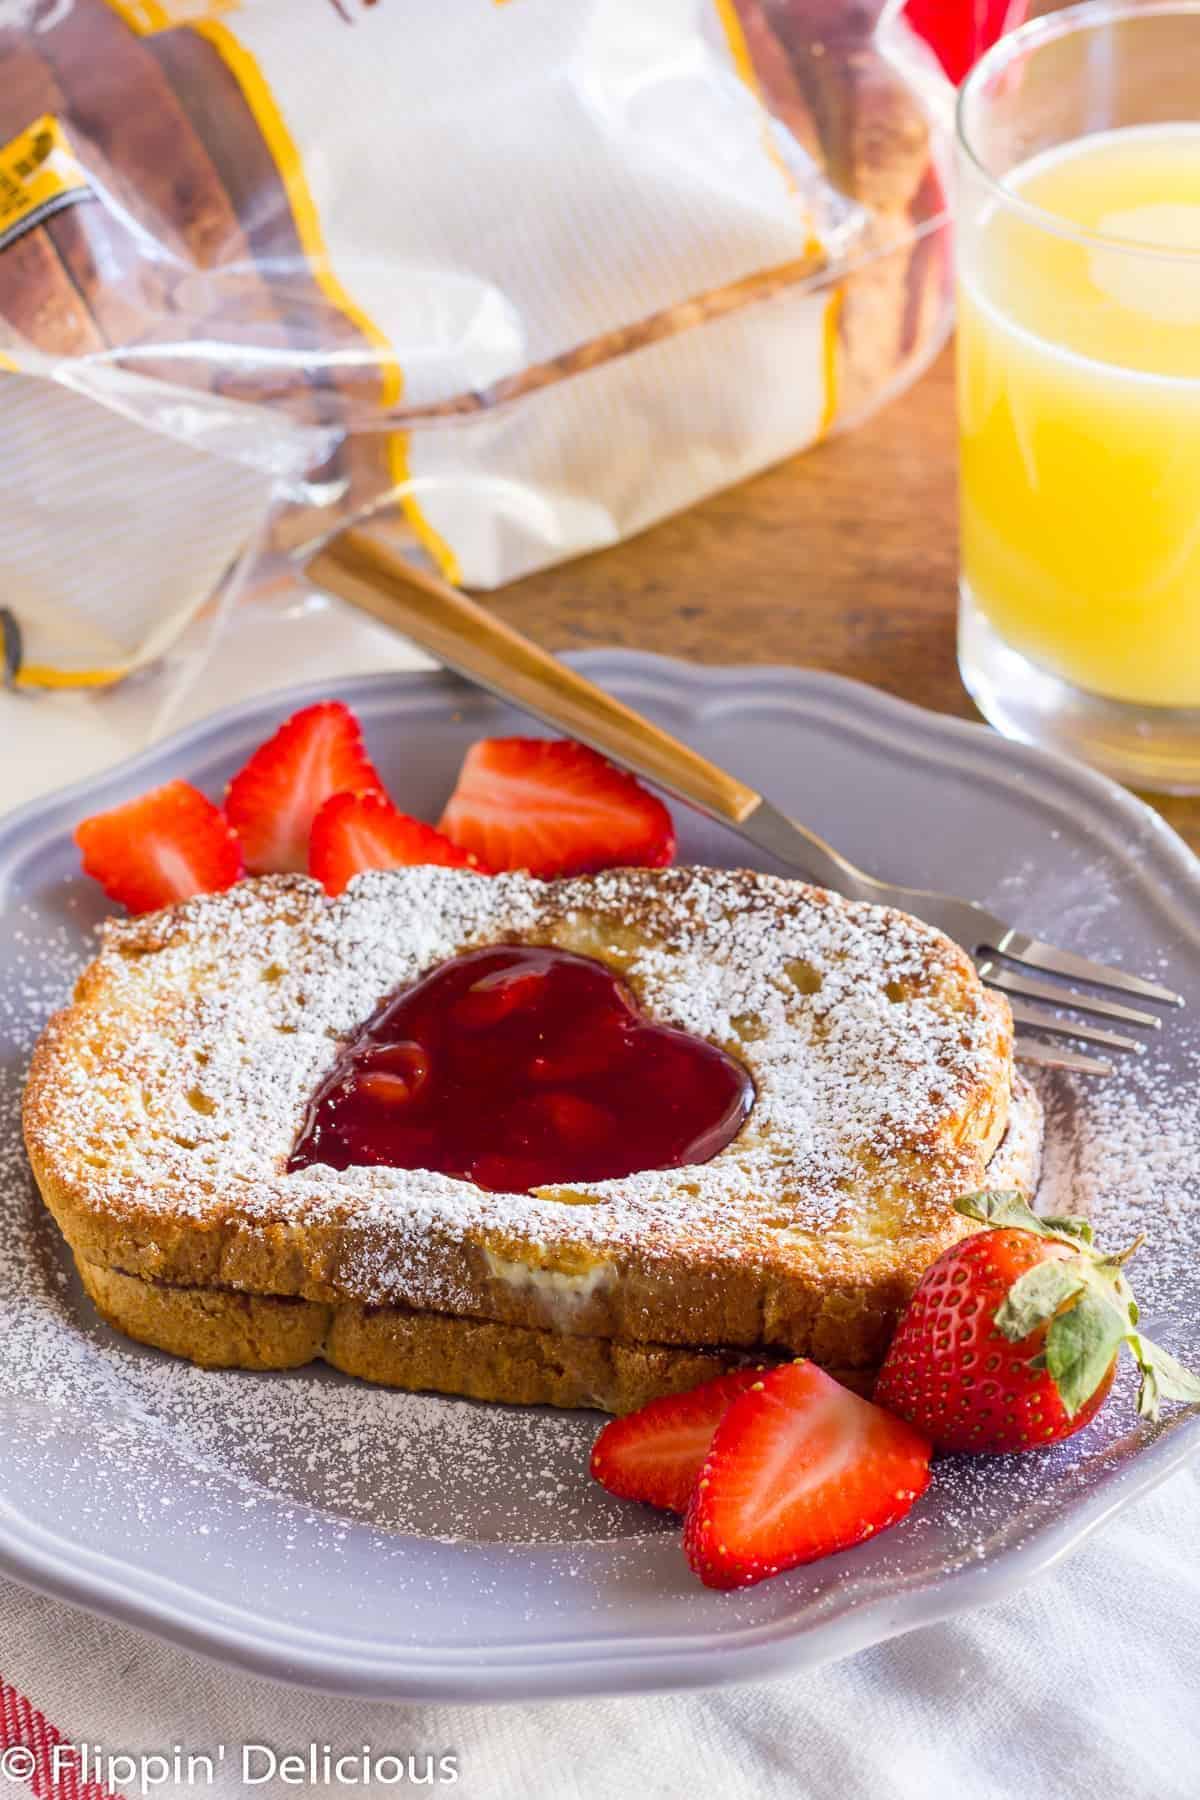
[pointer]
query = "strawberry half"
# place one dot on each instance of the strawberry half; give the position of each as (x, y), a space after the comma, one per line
(165, 846)
(798, 1467)
(353, 832)
(1011, 1338)
(272, 802)
(655, 1454)
(555, 808)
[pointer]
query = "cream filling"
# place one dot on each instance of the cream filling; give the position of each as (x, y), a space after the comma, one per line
(560, 1293)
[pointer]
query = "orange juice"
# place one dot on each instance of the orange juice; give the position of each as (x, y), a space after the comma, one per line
(1079, 380)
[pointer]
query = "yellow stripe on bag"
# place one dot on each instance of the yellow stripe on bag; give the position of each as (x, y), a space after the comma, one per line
(267, 116)
(41, 675)
(142, 16)
(287, 159)
(148, 16)
(743, 62)
(831, 343)
(735, 37)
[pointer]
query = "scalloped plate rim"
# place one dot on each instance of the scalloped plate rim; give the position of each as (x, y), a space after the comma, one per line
(41, 1558)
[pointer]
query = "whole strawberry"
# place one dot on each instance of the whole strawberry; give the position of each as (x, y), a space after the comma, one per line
(1011, 1338)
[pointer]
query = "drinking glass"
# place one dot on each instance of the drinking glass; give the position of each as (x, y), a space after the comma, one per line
(1079, 387)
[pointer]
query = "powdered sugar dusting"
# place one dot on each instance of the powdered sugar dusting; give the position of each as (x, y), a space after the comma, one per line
(402, 1462)
(864, 1032)
(1127, 1154)
(317, 1447)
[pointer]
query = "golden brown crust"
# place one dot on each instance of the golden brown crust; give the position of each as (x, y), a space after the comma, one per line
(738, 1266)
(805, 1306)
(396, 1347)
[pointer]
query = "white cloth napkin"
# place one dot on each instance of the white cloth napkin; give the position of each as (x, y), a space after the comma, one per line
(1085, 1684)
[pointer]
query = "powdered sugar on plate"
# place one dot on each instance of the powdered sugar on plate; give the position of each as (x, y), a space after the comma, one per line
(1127, 1152)
(402, 1462)
(404, 1545)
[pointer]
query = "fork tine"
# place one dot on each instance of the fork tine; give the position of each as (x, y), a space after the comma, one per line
(1042, 1020)
(1045, 1056)
(1065, 962)
(1030, 988)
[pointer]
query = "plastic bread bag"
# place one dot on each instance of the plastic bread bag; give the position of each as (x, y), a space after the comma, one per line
(530, 275)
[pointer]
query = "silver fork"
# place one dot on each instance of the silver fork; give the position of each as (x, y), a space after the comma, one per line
(991, 944)
(363, 570)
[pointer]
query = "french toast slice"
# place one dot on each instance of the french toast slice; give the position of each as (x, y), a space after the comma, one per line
(399, 1347)
(163, 1103)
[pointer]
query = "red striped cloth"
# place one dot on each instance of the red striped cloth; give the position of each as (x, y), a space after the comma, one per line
(22, 1726)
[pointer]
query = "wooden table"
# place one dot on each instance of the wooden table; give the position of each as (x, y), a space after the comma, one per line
(842, 559)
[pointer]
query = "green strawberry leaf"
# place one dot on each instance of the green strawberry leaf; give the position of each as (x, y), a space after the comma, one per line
(1163, 1377)
(998, 1206)
(1080, 1346)
(1085, 1304)
(1174, 1381)
(1007, 1208)
(1034, 1299)
(1149, 1394)
(1068, 1226)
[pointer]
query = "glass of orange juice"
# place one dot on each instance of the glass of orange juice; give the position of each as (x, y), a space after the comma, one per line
(1079, 387)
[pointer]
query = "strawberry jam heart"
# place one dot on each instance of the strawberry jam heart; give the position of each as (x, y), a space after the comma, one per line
(517, 1067)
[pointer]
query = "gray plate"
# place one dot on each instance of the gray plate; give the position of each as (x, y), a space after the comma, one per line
(318, 1531)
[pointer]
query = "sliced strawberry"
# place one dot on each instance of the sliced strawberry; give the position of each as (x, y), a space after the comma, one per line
(655, 1454)
(272, 802)
(353, 832)
(598, 1044)
(494, 997)
(165, 846)
(555, 808)
(395, 1074)
(799, 1467)
(405, 1057)
(504, 1174)
(584, 1124)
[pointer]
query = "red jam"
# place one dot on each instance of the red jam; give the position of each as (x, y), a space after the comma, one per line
(514, 1068)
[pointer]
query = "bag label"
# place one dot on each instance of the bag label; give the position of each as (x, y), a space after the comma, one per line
(38, 177)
